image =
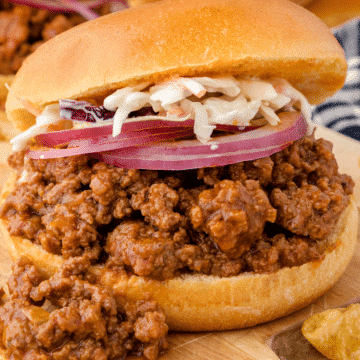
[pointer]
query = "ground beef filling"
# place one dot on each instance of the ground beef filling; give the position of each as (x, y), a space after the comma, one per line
(69, 316)
(23, 29)
(255, 216)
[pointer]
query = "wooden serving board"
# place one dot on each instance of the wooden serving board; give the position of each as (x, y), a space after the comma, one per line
(252, 343)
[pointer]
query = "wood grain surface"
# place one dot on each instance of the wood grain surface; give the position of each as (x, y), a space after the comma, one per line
(252, 343)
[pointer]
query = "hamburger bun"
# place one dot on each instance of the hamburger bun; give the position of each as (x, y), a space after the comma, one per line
(335, 13)
(207, 38)
(78, 64)
(7, 129)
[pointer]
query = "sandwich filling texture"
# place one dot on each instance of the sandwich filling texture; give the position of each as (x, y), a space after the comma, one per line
(70, 316)
(256, 216)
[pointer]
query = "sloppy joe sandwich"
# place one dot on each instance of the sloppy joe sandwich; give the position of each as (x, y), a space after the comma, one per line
(171, 145)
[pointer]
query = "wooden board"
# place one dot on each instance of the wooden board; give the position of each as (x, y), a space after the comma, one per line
(251, 344)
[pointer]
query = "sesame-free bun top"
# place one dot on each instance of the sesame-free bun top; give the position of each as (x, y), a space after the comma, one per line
(187, 38)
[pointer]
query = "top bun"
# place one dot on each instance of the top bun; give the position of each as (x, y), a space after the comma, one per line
(185, 37)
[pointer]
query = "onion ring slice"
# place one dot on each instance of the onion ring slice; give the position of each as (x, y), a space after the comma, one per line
(65, 136)
(56, 5)
(292, 128)
(149, 162)
(190, 154)
(106, 143)
(83, 8)
(146, 149)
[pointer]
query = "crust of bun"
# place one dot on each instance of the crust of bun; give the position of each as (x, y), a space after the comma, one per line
(205, 303)
(187, 38)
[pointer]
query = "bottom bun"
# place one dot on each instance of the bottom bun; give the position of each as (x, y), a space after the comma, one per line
(205, 303)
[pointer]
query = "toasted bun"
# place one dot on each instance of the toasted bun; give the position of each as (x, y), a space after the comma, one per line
(204, 303)
(188, 38)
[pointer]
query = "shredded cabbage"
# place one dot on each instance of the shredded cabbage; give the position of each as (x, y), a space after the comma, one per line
(210, 101)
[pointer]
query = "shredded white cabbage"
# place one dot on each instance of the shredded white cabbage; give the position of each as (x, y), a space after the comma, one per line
(210, 101)
(233, 111)
(168, 93)
(50, 115)
(269, 114)
(131, 102)
(225, 85)
(257, 90)
(297, 98)
(202, 128)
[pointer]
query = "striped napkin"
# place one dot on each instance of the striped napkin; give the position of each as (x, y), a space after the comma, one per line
(342, 111)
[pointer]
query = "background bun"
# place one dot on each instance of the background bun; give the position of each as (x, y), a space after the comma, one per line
(7, 130)
(134, 3)
(335, 12)
(205, 303)
(185, 37)
(303, 2)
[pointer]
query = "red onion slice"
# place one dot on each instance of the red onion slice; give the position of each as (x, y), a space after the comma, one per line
(107, 143)
(63, 137)
(150, 162)
(189, 154)
(66, 136)
(56, 5)
(80, 7)
(133, 149)
(292, 128)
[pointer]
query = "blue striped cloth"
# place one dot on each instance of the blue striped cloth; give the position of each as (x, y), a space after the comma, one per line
(342, 111)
